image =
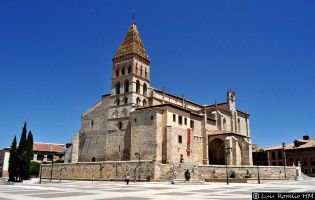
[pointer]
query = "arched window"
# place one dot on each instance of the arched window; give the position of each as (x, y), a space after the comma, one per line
(138, 101)
(239, 125)
(137, 69)
(123, 71)
(145, 89)
(129, 69)
(120, 125)
(138, 86)
(224, 124)
(141, 71)
(146, 74)
(92, 122)
(145, 103)
(125, 100)
(93, 159)
(117, 101)
(126, 86)
(117, 72)
(117, 88)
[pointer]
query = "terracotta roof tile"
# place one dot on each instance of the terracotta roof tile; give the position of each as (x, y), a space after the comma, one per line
(132, 44)
(46, 147)
(303, 144)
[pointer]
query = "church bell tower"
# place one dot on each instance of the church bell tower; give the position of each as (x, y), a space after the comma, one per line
(130, 84)
(131, 71)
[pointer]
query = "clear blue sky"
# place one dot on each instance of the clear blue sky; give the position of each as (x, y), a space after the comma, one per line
(55, 60)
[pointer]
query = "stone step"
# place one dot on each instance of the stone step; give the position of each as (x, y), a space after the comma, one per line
(4, 181)
(222, 180)
(186, 165)
(192, 181)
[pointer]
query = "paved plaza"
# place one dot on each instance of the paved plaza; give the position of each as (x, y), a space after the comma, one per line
(120, 191)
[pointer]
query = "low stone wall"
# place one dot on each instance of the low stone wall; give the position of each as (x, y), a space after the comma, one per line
(164, 172)
(265, 172)
(99, 170)
(151, 171)
(167, 172)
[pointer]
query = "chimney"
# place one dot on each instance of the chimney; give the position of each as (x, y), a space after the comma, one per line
(68, 145)
(306, 137)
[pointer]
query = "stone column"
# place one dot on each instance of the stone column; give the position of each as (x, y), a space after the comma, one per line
(228, 143)
(247, 127)
(268, 158)
(247, 153)
(250, 154)
(299, 176)
(205, 160)
(35, 157)
(169, 144)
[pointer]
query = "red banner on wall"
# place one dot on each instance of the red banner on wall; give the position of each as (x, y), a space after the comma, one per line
(188, 142)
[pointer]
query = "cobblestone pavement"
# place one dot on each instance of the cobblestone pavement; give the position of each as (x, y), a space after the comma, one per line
(143, 191)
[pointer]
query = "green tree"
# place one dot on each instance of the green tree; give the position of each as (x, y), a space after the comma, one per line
(13, 161)
(22, 155)
(28, 156)
(34, 168)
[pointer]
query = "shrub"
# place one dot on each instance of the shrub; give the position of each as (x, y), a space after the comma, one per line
(248, 174)
(34, 168)
(59, 161)
(232, 174)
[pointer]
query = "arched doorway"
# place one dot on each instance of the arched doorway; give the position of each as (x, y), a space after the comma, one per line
(216, 152)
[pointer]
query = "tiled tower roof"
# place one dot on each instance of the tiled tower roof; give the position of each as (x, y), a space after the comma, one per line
(132, 44)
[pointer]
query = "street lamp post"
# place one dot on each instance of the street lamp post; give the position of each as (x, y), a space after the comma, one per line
(101, 169)
(258, 178)
(40, 173)
(227, 152)
(60, 172)
(116, 170)
(285, 160)
(52, 168)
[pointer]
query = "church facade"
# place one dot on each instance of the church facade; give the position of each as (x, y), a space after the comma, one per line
(138, 121)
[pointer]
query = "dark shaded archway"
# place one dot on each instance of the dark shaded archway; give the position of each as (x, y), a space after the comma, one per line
(216, 152)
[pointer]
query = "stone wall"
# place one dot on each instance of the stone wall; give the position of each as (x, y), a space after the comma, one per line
(164, 172)
(72, 153)
(205, 172)
(4, 162)
(99, 170)
(173, 148)
(144, 133)
(93, 132)
(152, 171)
(265, 172)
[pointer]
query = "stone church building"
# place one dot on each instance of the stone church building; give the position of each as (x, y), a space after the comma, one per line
(138, 118)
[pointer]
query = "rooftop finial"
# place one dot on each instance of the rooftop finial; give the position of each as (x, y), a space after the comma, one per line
(133, 15)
